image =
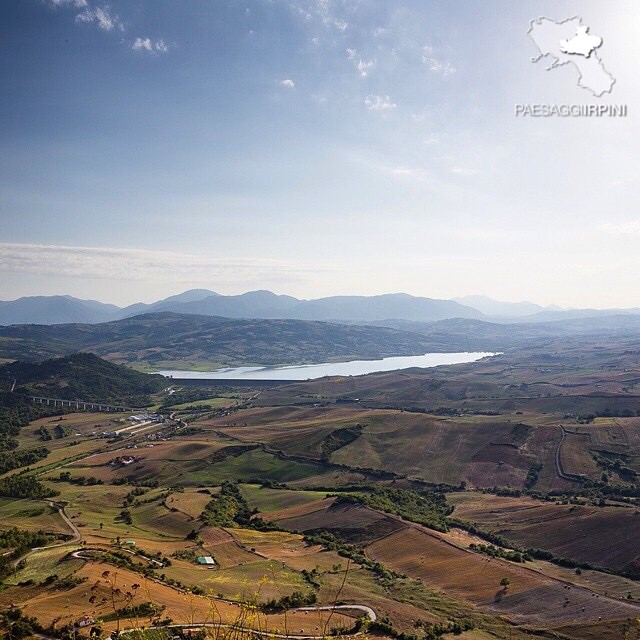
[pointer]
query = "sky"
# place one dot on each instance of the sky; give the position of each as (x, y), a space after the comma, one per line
(313, 147)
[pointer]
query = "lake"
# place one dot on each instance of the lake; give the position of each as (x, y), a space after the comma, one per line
(313, 371)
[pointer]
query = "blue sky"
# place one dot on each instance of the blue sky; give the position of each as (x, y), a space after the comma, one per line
(312, 147)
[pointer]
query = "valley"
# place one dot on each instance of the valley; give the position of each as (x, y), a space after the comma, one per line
(463, 497)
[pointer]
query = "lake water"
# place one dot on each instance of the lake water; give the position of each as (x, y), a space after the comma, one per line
(313, 371)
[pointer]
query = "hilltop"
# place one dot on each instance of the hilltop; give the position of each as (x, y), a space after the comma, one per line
(83, 376)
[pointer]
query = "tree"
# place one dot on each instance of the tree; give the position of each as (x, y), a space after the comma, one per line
(504, 583)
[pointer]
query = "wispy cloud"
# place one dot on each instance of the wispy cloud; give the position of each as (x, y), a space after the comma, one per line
(78, 4)
(288, 83)
(379, 103)
(320, 10)
(363, 66)
(146, 44)
(106, 263)
(105, 19)
(405, 172)
(436, 65)
(102, 17)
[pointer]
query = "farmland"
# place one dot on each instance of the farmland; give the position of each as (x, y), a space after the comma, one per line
(422, 508)
(604, 536)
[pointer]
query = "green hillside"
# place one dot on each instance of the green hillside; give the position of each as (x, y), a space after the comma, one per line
(169, 340)
(83, 376)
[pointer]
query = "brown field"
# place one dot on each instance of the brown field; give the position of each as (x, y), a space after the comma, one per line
(360, 585)
(603, 536)
(481, 450)
(484, 451)
(576, 455)
(227, 551)
(85, 424)
(25, 514)
(66, 606)
(155, 518)
(531, 597)
(297, 431)
(188, 502)
(352, 522)
(297, 511)
(164, 461)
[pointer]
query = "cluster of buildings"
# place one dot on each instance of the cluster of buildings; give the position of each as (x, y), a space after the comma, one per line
(146, 417)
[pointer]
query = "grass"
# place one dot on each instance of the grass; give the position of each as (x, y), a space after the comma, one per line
(90, 506)
(273, 579)
(41, 564)
(254, 464)
(214, 403)
(268, 500)
(31, 515)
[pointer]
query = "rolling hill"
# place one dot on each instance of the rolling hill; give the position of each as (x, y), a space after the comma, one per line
(169, 340)
(83, 376)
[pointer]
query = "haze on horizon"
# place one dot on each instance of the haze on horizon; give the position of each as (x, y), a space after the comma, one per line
(312, 148)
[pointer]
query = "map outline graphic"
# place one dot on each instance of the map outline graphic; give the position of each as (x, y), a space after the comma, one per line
(598, 76)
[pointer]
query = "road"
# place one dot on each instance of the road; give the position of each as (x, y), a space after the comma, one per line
(75, 539)
(370, 613)
(255, 632)
(269, 634)
(559, 468)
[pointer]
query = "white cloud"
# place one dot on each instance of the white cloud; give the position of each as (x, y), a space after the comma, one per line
(379, 103)
(379, 31)
(405, 172)
(436, 65)
(139, 265)
(78, 4)
(363, 66)
(288, 83)
(319, 10)
(146, 44)
(101, 16)
(341, 25)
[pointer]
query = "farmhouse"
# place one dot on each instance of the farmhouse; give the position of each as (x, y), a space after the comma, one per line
(85, 621)
(207, 561)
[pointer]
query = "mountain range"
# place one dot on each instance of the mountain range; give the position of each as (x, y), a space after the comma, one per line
(49, 310)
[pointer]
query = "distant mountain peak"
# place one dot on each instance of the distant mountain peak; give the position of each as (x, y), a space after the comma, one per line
(492, 307)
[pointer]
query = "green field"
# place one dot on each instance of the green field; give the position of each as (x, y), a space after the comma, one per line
(264, 580)
(41, 564)
(267, 500)
(30, 515)
(254, 464)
